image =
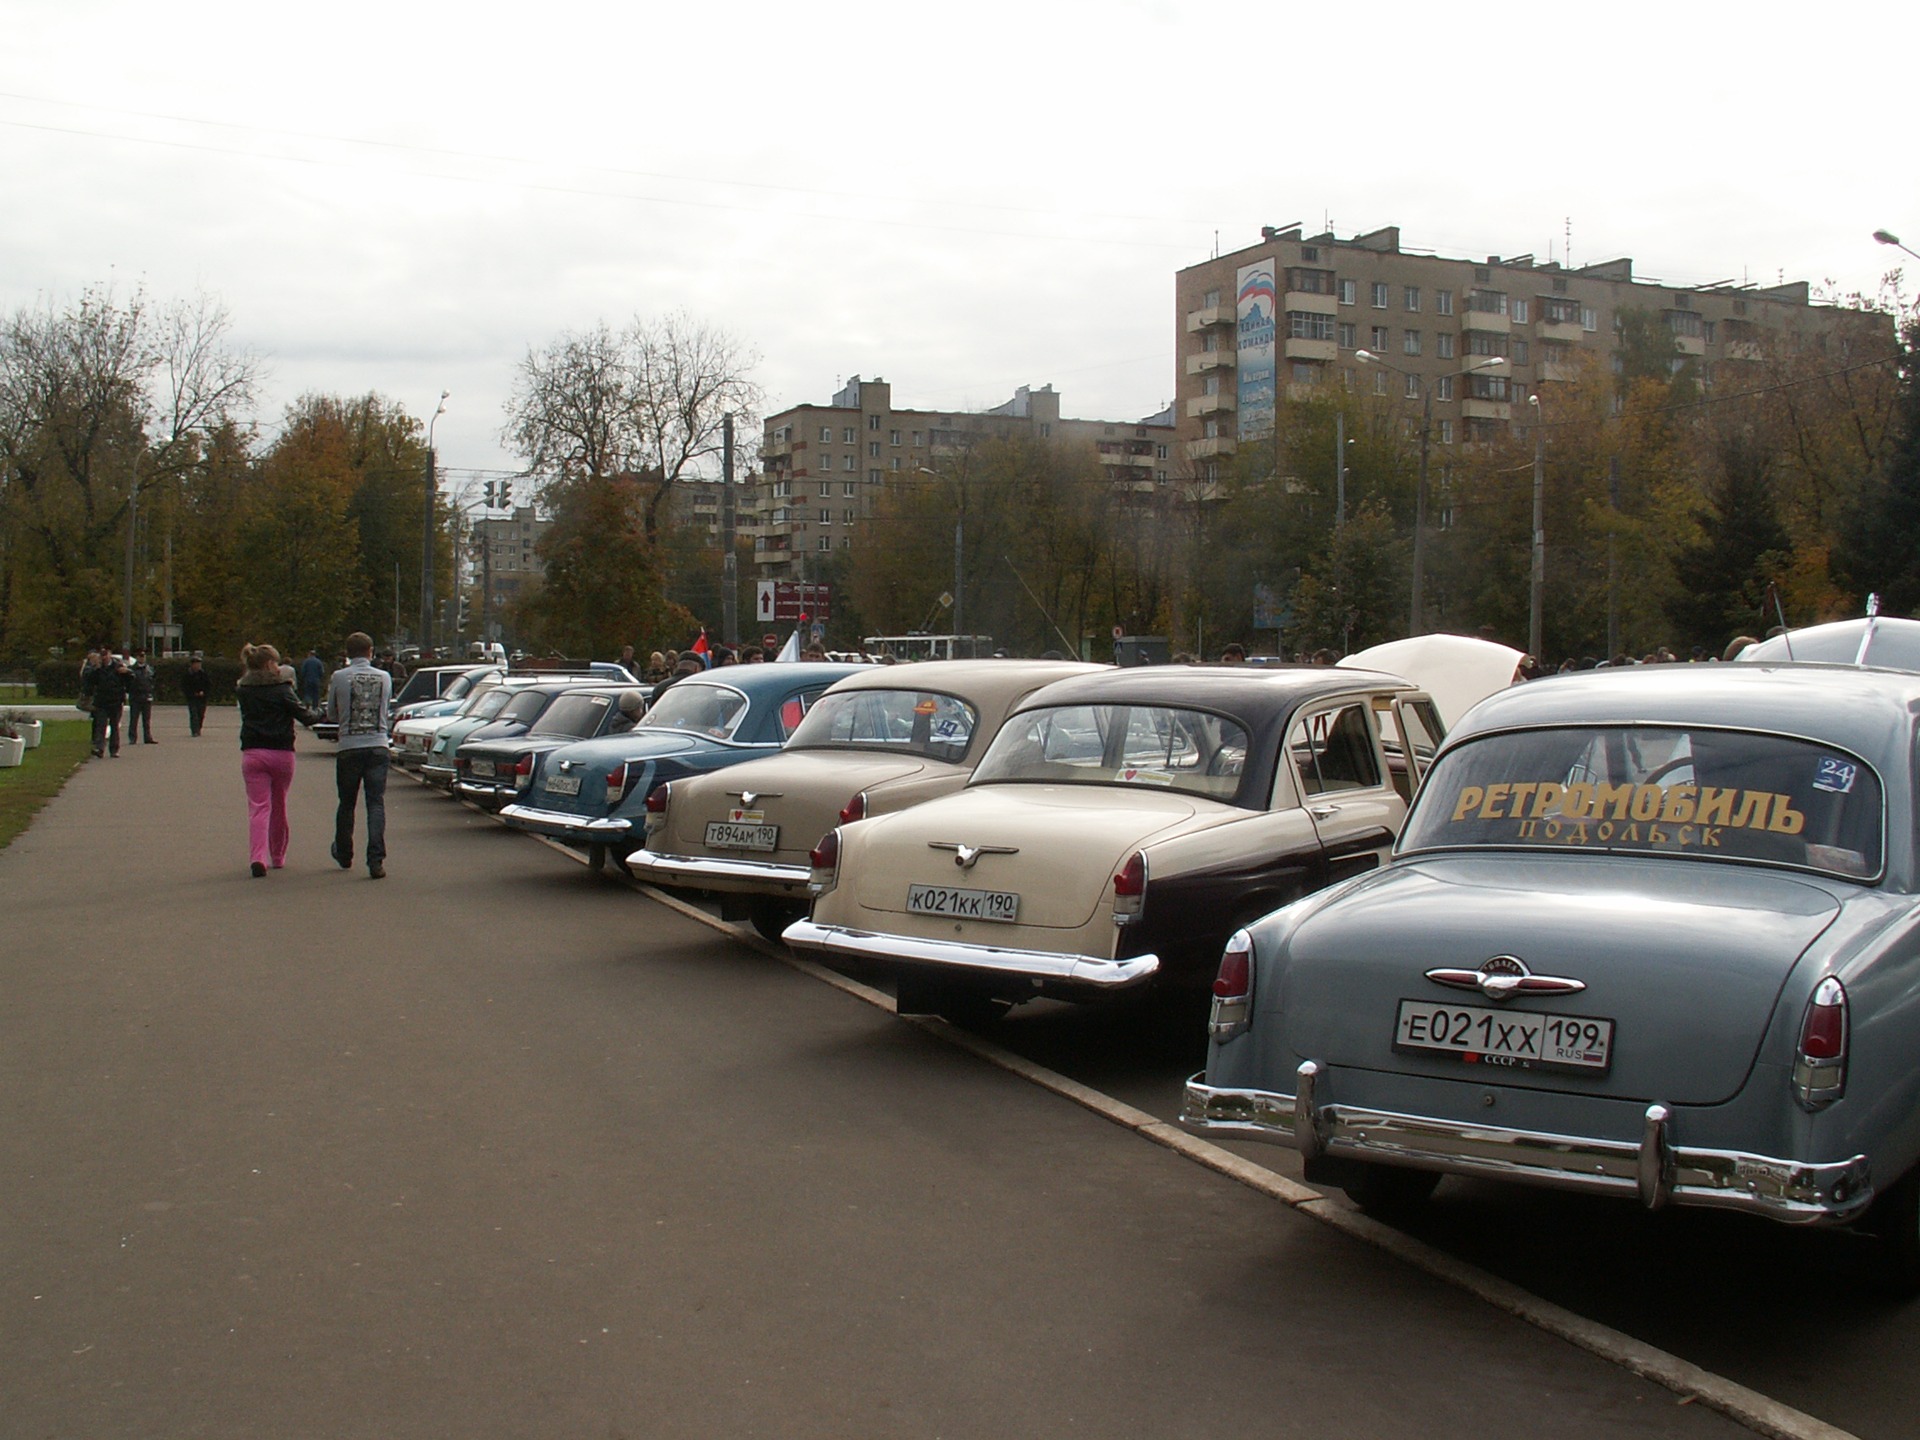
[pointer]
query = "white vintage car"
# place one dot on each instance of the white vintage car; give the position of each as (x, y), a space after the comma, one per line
(878, 741)
(1120, 828)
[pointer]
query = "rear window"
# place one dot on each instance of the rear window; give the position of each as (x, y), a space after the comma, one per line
(1700, 793)
(1157, 746)
(488, 703)
(909, 722)
(715, 710)
(573, 716)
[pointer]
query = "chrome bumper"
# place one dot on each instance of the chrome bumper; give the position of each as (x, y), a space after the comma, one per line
(440, 776)
(1036, 965)
(559, 823)
(710, 872)
(483, 794)
(1655, 1170)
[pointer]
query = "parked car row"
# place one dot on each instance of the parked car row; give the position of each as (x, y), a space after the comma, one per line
(1644, 932)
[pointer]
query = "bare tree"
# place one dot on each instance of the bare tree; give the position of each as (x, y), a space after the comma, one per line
(648, 401)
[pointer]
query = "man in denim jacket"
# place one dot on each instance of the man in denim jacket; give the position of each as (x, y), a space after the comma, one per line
(360, 701)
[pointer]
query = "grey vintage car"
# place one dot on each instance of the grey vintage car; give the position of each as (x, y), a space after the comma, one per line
(1651, 933)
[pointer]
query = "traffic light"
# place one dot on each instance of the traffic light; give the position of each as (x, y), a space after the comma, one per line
(506, 493)
(489, 489)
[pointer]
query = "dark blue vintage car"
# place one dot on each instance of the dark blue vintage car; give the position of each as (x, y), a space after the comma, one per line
(1652, 933)
(594, 793)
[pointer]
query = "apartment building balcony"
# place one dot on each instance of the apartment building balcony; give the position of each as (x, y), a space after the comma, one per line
(771, 448)
(1487, 320)
(1206, 315)
(1487, 410)
(1124, 459)
(1558, 372)
(1212, 360)
(1746, 350)
(1690, 344)
(1224, 403)
(1564, 332)
(1311, 302)
(1210, 447)
(1324, 351)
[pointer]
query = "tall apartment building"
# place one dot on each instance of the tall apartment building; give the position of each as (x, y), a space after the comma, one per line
(1290, 315)
(823, 466)
(504, 553)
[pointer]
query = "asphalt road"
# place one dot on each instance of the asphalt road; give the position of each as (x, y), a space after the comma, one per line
(489, 1148)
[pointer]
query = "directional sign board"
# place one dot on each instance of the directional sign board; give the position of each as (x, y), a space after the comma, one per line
(776, 600)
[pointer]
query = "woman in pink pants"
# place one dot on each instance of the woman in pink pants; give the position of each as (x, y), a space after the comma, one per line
(268, 709)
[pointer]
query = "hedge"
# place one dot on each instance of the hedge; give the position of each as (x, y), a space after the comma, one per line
(60, 679)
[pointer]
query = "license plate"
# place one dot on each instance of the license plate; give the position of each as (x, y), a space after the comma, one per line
(416, 742)
(1002, 905)
(727, 835)
(563, 784)
(481, 767)
(1505, 1039)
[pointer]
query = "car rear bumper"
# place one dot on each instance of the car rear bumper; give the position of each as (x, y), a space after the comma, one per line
(1042, 966)
(440, 776)
(484, 793)
(562, 826)
(710, 872)
(1655, 1170)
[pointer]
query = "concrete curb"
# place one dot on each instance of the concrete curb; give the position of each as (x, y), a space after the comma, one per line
(1690, 1382)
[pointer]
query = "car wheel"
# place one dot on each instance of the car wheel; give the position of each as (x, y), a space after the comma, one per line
(597, 859)
(959, 1004)
(771, 917)
(1894, 1224)
(1385, 1191)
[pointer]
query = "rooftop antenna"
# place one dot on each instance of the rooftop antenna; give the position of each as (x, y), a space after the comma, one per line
(1216, 243)
(1568, 258)
(1786, 635)
(1866, 636)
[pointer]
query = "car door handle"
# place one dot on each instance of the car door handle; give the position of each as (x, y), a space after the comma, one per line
(1323, 812)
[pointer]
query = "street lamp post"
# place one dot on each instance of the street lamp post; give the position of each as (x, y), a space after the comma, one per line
(426, 532)
(1887, 237)
(1537, 580)
(1416, 618)
(959, 554)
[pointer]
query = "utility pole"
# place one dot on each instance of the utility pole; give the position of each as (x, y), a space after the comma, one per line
(729, 537)
(1416, 613)
(426, 532)
(1538, 581)
(126, 602)
(1613, 573)
(1340, 470)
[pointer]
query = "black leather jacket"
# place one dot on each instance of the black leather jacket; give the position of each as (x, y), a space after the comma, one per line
(267, 712)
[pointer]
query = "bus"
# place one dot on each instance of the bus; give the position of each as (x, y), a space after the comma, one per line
(927, 647)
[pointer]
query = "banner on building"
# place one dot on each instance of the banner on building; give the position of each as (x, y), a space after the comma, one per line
(1255, 301)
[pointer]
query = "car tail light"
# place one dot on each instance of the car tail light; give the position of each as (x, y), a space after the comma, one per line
(1130, 889)
(658, 799)
(1820, 1072)
(854, 809)
(825, 859)
(1233, 989)
(523, 772)
(617, 782)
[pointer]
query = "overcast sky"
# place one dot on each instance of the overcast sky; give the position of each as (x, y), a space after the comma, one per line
(963, 198)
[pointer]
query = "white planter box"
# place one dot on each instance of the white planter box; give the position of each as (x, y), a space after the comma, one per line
(11, 750)
(30, 731)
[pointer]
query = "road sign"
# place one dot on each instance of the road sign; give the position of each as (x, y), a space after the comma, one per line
(790, 599)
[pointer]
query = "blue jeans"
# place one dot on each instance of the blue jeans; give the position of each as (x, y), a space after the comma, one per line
(355, 770)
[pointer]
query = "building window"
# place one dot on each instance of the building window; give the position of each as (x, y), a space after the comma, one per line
(895, 465)
(1305, 373)
(1411, 297)
(849, 435)
(1413, 387)
(1046, 430)
(1443, 302)
(873, 422)
(1309, 325)
(826, 516)
(1484, 342)
(1487, 302)
(1346, 335)
(1519, 352)
(1378, 340)
(1488, 387)
(851, 462)
(1379, 382)
(893, 438)
(1379, 294)
(826, 489)
(916, 445)
(1213, 299)
(851, 488)
(1443, 388)
(847, 516)
(826, 438)
(873, 476)
(1410, 343)
(1348, 291)
(1589, 318)
(1443, 345)
(826, 542)
(1310, 282)
(1519, 312)
(1555, 311)
(781, 489)
(1446, 431)
(873, 449)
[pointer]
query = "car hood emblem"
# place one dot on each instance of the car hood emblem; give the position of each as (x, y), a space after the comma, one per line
(1505, 976)
(965, 855)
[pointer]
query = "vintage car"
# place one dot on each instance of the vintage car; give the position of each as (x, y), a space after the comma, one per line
(594, 793)
(1648, 932)
(450, 699)
(496, 764)
(509, 716)
(1120, 827)
(1882, 641)
(881, 740)
(412, 740)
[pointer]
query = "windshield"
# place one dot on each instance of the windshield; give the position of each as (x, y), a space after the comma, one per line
(1702, 793)
(1162, 746)
(908, 722)
(486, 703)
(715, 710)
(525, 706)
(573, 716)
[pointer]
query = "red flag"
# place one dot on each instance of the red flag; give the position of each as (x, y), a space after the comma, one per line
(700, 646)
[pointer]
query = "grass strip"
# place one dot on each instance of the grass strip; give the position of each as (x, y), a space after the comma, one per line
(24, 788)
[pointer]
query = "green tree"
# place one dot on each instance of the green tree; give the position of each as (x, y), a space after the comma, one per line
(603, 586)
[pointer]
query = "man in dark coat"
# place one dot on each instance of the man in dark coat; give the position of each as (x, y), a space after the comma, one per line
(140, 700)
(196, 685)
(312, 671)
(107, 685)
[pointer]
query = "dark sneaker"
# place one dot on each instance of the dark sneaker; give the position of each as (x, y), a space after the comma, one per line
(345, 862)
(259, 870)
(376, 871)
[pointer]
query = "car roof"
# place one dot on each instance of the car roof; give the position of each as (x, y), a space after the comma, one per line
(1866, 711)
(1234, 689)
(751, 680)
(1895, 644)
(985, 682)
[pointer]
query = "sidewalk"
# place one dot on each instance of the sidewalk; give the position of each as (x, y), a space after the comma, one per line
(489, 1148)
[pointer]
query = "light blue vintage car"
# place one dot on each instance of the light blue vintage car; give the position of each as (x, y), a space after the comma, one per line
(1651, 933)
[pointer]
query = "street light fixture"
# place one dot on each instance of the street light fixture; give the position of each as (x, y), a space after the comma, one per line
(426, 532)
(1416, 620)
(959, 552)
(1887, 237)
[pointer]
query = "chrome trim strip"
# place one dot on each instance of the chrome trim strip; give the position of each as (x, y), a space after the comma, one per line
(685, 870)
(1091, 970)
(1655, 1171)
(559, 822)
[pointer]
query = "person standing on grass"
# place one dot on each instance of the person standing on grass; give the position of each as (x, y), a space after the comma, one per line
(268, 709)
(196, 685)
(360, 701)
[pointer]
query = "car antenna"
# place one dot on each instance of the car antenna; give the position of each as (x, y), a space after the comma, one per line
(1866, 636)
(1786, 635)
